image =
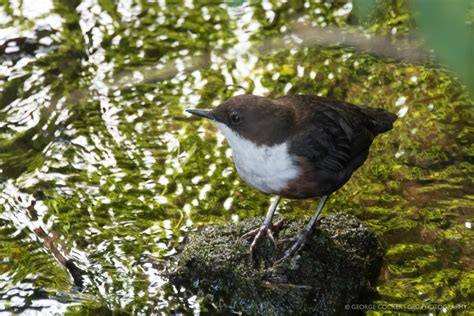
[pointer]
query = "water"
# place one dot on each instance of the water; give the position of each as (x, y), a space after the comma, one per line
(101, 170)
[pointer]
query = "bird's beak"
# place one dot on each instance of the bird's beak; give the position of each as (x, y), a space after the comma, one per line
(204, 113)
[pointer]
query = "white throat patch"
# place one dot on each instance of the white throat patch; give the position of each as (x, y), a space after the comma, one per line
(266, 168)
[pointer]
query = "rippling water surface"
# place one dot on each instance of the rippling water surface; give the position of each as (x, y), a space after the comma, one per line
(102, 172)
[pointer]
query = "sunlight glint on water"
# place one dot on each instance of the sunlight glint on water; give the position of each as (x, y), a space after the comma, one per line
(93, 128)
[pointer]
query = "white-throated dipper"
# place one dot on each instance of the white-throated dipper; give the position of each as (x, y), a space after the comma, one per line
(296, 147)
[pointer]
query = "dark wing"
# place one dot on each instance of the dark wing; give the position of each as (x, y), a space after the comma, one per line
(327, 148)
(335, 134)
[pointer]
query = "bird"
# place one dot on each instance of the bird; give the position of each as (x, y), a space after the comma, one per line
(296, 147)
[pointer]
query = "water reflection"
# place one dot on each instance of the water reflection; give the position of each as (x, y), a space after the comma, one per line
(94, 136)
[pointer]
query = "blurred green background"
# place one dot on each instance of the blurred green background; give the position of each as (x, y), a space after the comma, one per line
(93, 128)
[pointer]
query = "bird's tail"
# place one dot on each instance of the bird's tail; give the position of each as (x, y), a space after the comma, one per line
(383, 119)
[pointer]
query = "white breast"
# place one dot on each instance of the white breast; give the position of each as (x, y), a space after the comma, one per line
(267, 168)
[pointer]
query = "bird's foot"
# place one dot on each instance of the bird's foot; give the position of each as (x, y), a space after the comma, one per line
(298, 244)
(258, 233)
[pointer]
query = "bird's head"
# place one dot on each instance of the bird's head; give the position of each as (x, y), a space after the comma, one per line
(262, 120)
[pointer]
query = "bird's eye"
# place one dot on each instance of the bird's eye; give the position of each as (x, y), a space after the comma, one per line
(234, 117)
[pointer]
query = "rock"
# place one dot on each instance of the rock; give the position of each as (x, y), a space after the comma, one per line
(338, 266)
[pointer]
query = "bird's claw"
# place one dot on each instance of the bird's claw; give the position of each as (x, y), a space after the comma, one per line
(299, 242)
(258, 233)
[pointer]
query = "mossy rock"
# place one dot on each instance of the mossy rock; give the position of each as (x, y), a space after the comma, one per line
(337, 266)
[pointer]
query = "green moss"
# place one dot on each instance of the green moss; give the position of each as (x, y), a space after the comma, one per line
(335, 268)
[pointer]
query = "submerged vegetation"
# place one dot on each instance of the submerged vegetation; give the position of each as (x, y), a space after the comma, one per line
(93, 129)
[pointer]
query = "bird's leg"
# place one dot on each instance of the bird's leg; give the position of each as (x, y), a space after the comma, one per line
(266, 228)
(300, 239)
